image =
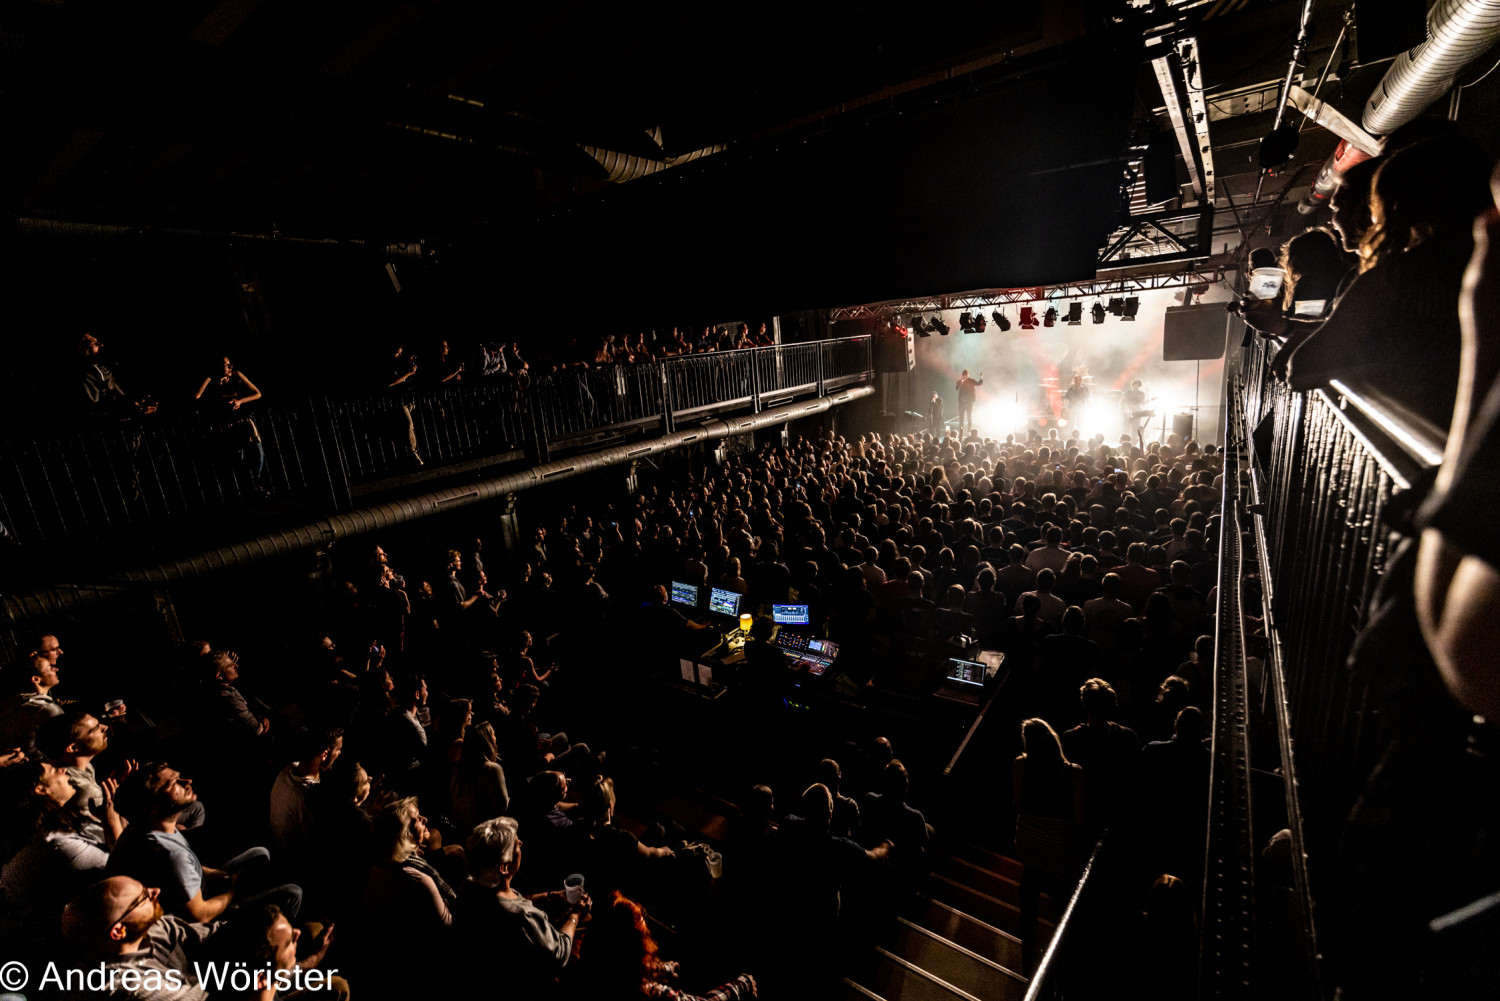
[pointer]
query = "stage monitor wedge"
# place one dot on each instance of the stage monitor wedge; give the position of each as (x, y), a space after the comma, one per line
(1194, 333)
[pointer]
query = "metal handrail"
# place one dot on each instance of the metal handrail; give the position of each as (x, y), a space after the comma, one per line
(117, 477)
(1320, 539)
(1041, 980)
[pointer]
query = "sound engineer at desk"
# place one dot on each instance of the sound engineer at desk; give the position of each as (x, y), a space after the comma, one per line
(664, 626)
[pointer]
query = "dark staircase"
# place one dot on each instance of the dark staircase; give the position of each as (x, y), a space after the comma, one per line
(957, 941)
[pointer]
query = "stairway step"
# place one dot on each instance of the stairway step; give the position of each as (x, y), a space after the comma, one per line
(970, 972)
(972, 875)
(890, 976)
(993, 861)
(991, 910)
(967, 931)
(856, 992)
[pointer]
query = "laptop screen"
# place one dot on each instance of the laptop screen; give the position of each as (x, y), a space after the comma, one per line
(685, 594)
(722, 602)
(965, 672)
(789, 615)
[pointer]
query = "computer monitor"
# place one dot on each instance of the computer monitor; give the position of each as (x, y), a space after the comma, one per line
(722, 602)
(789, 615)
(966, 672)
(685, 594)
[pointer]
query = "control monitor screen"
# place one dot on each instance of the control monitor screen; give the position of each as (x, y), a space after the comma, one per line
(965, 672)
(789, 615)
(722, 602)
(684, 594)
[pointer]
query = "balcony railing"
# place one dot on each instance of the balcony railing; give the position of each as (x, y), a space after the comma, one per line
(1319, 471)
(164, 472)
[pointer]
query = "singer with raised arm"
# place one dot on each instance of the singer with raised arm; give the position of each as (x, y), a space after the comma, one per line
(966, 387)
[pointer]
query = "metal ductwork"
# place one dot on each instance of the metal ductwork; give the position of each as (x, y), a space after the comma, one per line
(624, 167)
(1458, 32)
(64, 229)
(19, 609)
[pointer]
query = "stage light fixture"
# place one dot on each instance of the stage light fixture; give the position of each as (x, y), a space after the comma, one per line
(1001, 320)
(920, 326)
(1117, 306)
(1098, 312)
(1028, 318)
(1075, 313)
(966, 322)
(939, 326)
(1132, 306)
(1049, 318)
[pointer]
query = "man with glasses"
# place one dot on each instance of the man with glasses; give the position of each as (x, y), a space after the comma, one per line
(120, 920)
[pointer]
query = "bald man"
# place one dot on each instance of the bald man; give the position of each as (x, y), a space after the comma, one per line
(120, 921)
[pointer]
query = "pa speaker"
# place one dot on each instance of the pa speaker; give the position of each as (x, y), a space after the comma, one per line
(895, 353)
(1194, 333)
(1182, 425)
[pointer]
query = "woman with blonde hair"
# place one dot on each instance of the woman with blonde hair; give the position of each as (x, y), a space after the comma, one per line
(404, 889)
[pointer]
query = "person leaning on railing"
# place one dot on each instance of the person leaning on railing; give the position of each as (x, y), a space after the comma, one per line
(1397, 325)
(227, 393)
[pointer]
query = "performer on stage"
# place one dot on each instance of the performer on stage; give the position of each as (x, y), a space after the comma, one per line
(1077, 395)
(935, 415)
(965, 387)
(1133, 407)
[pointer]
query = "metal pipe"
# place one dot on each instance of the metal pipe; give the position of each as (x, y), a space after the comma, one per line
(1458, 32)
(20, 609)
(623, 167)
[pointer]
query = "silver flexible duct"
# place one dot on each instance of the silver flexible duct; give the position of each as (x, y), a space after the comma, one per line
(19, 609)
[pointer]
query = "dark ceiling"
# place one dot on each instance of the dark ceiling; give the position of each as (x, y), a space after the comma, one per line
(794, 155)
(484, 129)
(342, 117)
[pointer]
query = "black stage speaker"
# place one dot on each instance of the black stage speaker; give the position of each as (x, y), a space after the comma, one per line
(1194, 333)
(1389, 27)
(1182, 425)
(895, 352)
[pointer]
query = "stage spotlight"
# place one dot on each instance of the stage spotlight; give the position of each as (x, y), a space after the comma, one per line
(1117, 306)
(1001, 320)
(1049, 318)
(966, 322)
(920, 326)
(1098, 312)
(1132, 306)
(1075, 313)
(939, 326)
(980, 323)
(1028, 318)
